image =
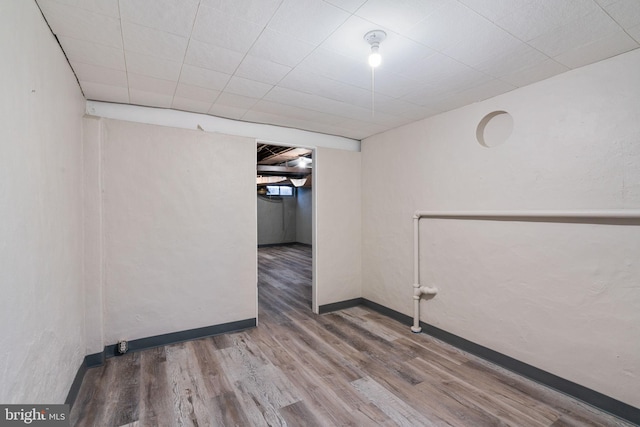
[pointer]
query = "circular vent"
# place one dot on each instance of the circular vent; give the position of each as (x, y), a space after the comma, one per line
(494, 129)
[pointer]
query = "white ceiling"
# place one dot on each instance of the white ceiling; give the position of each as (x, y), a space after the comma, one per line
(303, 63)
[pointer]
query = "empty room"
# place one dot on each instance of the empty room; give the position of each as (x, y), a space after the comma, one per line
(320, 212)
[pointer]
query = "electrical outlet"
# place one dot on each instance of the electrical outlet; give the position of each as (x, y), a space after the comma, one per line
(122, 347)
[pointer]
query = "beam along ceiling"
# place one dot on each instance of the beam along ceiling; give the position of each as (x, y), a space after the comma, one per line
(303, 63)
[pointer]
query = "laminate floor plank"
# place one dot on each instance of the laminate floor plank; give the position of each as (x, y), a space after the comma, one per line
(353, 367)
(155, 399)
(188, 391)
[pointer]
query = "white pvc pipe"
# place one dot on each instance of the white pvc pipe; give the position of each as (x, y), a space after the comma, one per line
(419, 290)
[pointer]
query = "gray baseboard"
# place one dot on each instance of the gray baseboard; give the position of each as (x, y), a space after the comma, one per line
(341, 305)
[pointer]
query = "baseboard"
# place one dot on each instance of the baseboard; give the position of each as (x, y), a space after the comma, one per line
(270, 245)
(341, 305)
(95, 359)
(587, 395)
(75, 385)
(182, 336)
(98, 359)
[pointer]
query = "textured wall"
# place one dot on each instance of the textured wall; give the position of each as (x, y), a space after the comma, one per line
(337, 184)
(179, 221)
(41, 308)
(563, 297)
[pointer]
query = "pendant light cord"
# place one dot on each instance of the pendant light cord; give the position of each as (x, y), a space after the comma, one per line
(373, 93)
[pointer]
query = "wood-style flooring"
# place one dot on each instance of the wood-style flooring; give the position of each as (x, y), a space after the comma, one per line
(349, 368)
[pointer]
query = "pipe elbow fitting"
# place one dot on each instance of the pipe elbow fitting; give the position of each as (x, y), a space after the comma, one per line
(427, 290)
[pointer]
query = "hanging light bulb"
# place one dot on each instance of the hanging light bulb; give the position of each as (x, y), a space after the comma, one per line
(375, 59)
(374, 38)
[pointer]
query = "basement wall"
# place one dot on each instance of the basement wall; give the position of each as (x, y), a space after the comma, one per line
(338, 234)
(41, 308)
(179, 215)
(285, 219)
(563, 297)
(276, 220)
(304, 215)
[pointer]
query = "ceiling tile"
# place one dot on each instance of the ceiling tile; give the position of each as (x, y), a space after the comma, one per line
(541, 71)
(577, 33)
(392, 84)
(488, 44)
(625, 12)
(450, 25)
(228, 112)
(337, 67)
(173, 16)
(202, 77)
(212, 57)
(470, 95)
(246, 87)
(152, 66)
(605, 2)
(445, 73)
(434, 96)
(102, 92)
(92, 53)
(152, 99)
(238, 101)
(398, 15)
(606, 47)
(484, 91)
(82, 24)
(216, 28)
(321, 104)
(349, 5)
(541, 17)
(261, 70)
(280, 48)
(256, 11)
(196, 93)
(635, 32)
(308, 82)
(295, 112)
(96, 74)
(495, 9)
(509, 61)
(308, 20)
(185, 104)
(151, 42)
(104, 7)
(151, 84)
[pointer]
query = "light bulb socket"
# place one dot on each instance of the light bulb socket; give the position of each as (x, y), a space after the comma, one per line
(374, 38)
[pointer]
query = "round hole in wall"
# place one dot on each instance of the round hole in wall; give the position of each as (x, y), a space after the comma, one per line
(494, 129)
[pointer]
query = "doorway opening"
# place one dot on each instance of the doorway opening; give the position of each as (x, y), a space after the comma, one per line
(285, 215)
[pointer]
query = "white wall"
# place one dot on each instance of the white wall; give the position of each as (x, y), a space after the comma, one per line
(563, 297)
(337, 240)
(92, 132)
(41, 308)
(304, 215)
(179, 215)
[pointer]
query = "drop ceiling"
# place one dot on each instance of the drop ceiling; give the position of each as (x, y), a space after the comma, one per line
(303, 63)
